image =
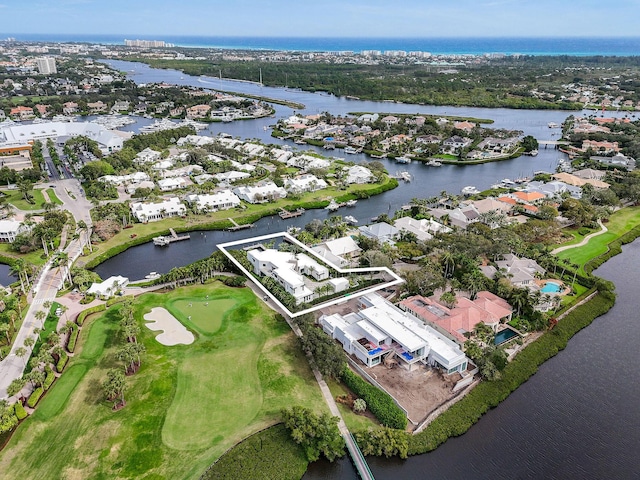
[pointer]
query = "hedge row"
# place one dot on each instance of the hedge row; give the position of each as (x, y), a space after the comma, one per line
(34, 398)
(73, 338)
(461, 416)
(267, 454)
(62, 362)
(85, 313)
(19, 410)
(48, 381)
(115, 300)
(378, 402)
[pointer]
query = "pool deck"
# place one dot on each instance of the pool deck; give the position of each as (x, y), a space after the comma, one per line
(564, 291)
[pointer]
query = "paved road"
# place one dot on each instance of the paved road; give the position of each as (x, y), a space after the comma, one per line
(47, 285)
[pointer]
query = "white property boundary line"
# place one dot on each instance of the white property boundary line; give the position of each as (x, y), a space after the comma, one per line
(223, 248)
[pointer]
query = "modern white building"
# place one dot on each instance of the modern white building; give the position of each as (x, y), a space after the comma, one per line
(222, 200)
(382, 232)
(264, 191)
(109, 287)
(9, 229)
(151, 212)
(379, 329)
(17, 135)
(46, 65)
(286, 269)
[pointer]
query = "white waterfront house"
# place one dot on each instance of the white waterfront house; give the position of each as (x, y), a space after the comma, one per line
(287, 269)
(262, 192)
(358, 174)
(9, 229)
(304, 183)
(151, 212)
(109, 287)
(136, 177)
(222, 200)
(379, 329)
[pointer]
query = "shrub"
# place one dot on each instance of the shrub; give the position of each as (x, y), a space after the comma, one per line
(82, 316)
(48, 381)
(378, 402)
(62, 362)
(237, 281)
(21, 413)
(34, 398)
(73, 337)
(114, 300)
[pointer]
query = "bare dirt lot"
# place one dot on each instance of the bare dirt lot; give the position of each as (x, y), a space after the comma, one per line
(420, 391)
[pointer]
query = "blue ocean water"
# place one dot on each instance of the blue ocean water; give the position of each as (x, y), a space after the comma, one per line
(580, 46)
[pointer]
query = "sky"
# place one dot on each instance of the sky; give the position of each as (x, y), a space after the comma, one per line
(325, 18)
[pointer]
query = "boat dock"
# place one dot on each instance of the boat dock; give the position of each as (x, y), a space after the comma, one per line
(284, 214)
(237, 227)
(165, 240)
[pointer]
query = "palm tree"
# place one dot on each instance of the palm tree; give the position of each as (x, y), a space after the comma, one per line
(114, 386)
(29, 342)
(21, 352)
(4, 329)
(40, 315)
(64, 309)
(63, 262)
(82, 225)
(16, 386)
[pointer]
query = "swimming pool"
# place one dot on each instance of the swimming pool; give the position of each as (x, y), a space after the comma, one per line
(551, 287)
(504, 336)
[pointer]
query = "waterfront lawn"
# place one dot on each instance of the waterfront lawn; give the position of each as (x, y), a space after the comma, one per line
(34, 257)
(186, 405)
(354, 421)
(14, 197)
(619, 223)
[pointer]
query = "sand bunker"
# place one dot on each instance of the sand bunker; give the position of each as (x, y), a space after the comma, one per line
(173, 332)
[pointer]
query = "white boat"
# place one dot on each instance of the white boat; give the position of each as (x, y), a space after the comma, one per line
(350, 220)
(161, 241)
(434, 163)
(470, 190)
(508, 182)
(532, 153)
(333, 206)
(350, 150)
(553, 125)
(352, 203)
(152, 276)
(403, 159)
(406, 176)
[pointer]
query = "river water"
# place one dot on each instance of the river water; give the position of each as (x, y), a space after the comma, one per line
(577, 418)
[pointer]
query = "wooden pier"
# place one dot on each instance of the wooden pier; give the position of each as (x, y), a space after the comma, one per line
(284, 214)
(164, 240)
(237, 227)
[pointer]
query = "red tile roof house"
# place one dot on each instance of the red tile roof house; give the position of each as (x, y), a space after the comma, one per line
(455, 322)
(22, 113)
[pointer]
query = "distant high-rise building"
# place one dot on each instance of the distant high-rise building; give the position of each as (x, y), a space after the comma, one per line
(147, 43)
(47, 65)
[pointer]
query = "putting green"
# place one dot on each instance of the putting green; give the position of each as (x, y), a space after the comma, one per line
(206, 315)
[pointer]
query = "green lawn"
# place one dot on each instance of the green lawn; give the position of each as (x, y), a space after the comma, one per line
(185, 406)
(53, 197)
(354, 421)
(619, 223)
(14, 197)
(35, 257)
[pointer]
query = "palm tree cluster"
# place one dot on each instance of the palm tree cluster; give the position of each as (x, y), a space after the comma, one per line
(200, 271)
(129, 354)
